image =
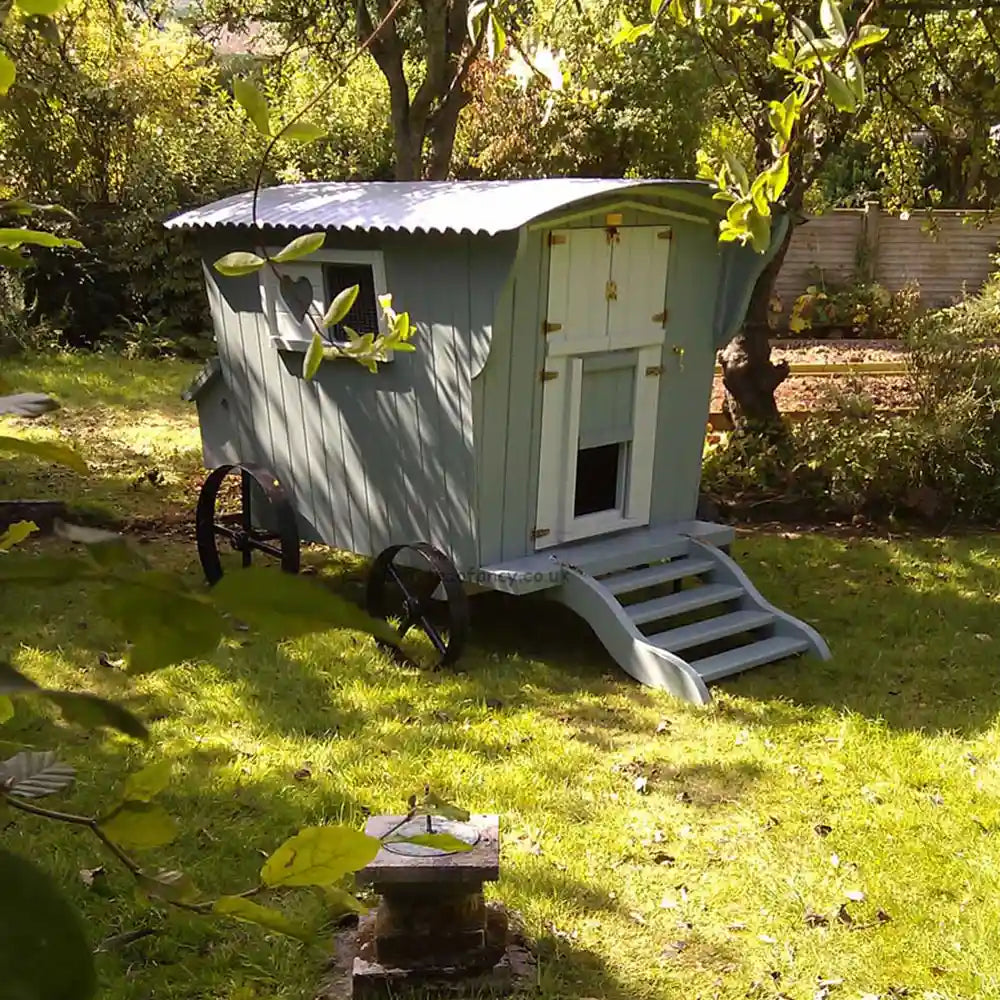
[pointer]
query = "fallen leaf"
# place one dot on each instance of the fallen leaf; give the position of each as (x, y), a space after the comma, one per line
(662, 726)
(856, 895)
(737, 927)
(984, 636)
(664, 859)
(814, 919)
(835, 860)
(767, 939)
(641, 785)
(683, 797)
(843, 916)
(637, 917)
(772, 821)
(822, 830)
(93, 878)
(937, 799)
(882, 917)
(673, 949)
(302, 773)
(668, 904)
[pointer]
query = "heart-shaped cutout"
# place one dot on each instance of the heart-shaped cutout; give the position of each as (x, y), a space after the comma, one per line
(298, 295)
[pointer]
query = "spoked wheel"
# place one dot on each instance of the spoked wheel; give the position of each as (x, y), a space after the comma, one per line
(244, 506)
(416, 588)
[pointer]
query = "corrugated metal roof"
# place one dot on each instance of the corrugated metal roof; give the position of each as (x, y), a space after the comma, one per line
(423, 206)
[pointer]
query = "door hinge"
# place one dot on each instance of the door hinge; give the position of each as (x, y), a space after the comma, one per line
(611, 291)
(654, 370)
(547, 376)
(612, 235)
(666, 234)
(548, 327)
(556, 238)
(660, 318)
(540, 532)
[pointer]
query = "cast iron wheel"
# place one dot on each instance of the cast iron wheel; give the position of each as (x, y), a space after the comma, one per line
(404, 596)
(237, 527)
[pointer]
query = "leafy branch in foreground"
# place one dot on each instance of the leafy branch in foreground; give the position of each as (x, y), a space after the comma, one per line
(318, 858)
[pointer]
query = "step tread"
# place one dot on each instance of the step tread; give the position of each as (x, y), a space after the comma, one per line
(650, 576)
(754, 655)
(693, 599)
(698, 633)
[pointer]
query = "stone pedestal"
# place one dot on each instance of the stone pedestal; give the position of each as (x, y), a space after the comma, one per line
(432, 931)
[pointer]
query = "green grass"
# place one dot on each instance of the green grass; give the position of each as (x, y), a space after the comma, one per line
(139, 437)
(877, 773)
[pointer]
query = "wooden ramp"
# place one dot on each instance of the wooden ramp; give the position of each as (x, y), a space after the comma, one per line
(679, 615)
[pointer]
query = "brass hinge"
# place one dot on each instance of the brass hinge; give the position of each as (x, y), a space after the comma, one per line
(548, 327)
(660, 318)
(612, 235)
(611, 291)
(547, 376)
(556, 238)
(654, 370)
(540, 532)
(666, 234)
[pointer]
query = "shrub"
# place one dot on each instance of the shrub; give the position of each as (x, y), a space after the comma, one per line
(861, 310)
(938, 463)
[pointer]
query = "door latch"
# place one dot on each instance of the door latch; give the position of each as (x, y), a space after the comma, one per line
(611, 291)
(547, 376)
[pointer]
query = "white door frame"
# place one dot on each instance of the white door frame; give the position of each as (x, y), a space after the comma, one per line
(561, 398)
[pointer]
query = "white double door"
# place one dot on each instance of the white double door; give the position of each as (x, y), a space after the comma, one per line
(605, 328)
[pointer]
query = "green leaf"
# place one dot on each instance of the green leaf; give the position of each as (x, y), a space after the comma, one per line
(172, 886)
(432, 804)
(139, 825)
(43, 7)
(47, 451)
(840, 93)
(18, 237)
(93, 712)
(777, 177)
(341, 902)
(6, 709)
(302, 131)
(253, 103)
(869, 35)
(23, 568)
(832, 21)
(760, 231)
(164, 623)
(44, 951)
(319, 855)
(264, 916)
(145, 785)
(286, 605)
(11, 258)
(301, 246)
(813, 52)
(21, 207)
(239, 263)
(401, 326)
(7, 73)
(314, 357)
(497, 37)
(33, 774)
(76, 706)
(678, 13)
(855, 75)
(440, 841)
(341, 306)
(16, 534)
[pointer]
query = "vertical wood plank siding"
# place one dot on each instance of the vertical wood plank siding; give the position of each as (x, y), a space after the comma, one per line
(373, 460)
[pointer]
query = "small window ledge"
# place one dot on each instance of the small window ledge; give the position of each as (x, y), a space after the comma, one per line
(300, 346)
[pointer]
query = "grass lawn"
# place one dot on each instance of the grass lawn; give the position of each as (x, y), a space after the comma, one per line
(822, 830)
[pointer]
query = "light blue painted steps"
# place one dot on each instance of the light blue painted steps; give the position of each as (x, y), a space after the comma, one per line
(673, 609)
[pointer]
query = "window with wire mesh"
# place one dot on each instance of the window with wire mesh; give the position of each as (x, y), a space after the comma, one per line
(363, 316)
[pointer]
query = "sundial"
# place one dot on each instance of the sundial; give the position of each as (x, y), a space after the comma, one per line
(422, 825)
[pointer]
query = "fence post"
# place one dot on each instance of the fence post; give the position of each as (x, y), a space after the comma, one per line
(868, 247)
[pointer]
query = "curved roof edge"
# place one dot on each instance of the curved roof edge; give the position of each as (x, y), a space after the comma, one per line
(488, 207)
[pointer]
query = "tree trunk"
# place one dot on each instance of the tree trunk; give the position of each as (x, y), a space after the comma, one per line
(749, 376)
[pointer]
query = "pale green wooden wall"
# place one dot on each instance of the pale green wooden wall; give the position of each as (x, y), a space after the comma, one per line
(370, 460)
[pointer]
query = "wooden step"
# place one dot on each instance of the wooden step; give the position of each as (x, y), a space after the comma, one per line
(712, 668)
(710, 630)
(687, 600)
(650, 576)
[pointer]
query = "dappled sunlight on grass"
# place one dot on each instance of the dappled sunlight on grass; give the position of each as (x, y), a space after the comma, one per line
(653, 849)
